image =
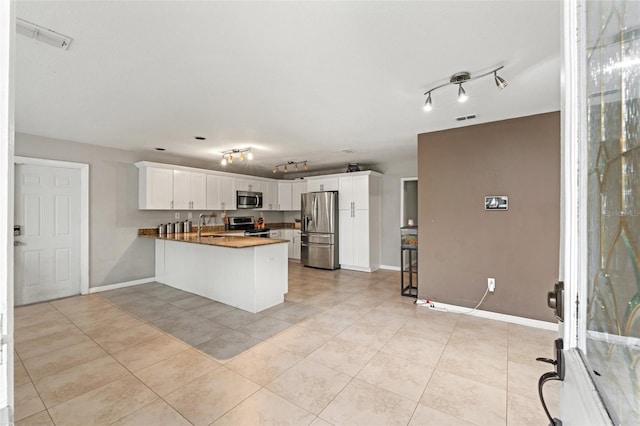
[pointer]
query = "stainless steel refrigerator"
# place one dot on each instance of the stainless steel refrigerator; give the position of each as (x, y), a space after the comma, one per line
(319, 236)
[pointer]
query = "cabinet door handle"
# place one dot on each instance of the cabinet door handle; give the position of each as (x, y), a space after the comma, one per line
(171, 203)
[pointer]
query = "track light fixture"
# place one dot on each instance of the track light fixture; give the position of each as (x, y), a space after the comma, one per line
(464, 77)
(285, 166)
(227, 156)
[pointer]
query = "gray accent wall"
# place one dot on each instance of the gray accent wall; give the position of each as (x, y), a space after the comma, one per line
(460, 244)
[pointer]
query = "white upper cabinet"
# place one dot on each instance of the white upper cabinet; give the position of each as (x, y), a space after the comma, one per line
(299, 188)
(353, 192)
(229, 199)
(249, 185)
(221, 192)
(270, 196)
(315, 183)
(189, 190)
(155, 189)
(284, 195)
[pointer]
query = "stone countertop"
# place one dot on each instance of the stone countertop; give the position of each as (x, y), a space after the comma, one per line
(216, 239)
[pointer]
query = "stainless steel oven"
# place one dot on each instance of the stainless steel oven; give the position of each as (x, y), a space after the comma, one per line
(246, 224)
(249, 200)
(262, 233)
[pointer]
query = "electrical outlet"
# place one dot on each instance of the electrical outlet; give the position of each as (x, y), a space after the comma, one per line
(491, 284)
(177, 215)
(189, 215)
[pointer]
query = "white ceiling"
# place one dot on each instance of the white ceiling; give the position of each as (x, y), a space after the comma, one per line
(294, 80)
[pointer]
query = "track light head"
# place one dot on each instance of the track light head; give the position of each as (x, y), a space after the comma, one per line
(305, 165)
(275, 170)
(500, 82)
(250, 155)
(241, 156)
(223, 162)
(427, 105)
(462, 95)
(286, 169)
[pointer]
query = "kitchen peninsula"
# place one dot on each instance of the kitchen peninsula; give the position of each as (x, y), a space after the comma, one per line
(248, 273)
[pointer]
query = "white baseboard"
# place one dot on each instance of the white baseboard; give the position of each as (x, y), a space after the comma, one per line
(121, 285)
(495, 316)
(390, 268)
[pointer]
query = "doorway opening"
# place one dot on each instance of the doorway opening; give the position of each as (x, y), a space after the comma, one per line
(409, 201)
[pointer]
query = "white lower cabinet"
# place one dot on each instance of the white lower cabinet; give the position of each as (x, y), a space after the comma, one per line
(275, 234)
(287, 234)
(296, 244)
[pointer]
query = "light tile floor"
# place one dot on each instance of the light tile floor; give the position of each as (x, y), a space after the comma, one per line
(344, 349)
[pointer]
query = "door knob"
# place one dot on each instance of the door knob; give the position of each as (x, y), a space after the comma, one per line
(17, 243)
(555, 300)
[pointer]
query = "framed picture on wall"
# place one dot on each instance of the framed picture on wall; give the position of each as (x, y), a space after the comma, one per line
(496, 202)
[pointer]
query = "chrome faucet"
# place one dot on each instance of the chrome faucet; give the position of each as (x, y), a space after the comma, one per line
(201, 221)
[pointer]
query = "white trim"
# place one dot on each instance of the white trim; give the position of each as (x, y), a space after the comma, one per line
(121, 285)
(581, 405)
(494, 316)
(390, 268)
(574, 177)
(84, 209)
(7, 144)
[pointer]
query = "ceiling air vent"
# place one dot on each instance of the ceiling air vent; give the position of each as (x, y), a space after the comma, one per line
(466, 117)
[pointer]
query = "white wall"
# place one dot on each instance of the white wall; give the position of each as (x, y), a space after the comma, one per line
(116, 254)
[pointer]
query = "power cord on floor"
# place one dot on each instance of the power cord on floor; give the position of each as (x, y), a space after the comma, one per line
(430, 304)
(475, 308)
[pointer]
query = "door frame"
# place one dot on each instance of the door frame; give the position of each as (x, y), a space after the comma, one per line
(580, 402)
(84, 209)
(402, 182)
(7, 77)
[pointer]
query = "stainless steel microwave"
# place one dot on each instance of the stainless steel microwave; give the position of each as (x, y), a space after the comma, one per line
(249, 200)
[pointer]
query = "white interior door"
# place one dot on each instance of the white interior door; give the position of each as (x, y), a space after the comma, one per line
(47, 253)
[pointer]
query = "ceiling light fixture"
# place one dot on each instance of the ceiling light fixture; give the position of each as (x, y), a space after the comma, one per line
(285, 166)
(499, 81)
(462, 95)
(427, 105)
(42, 34)
(464, 77)
(227, 156)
